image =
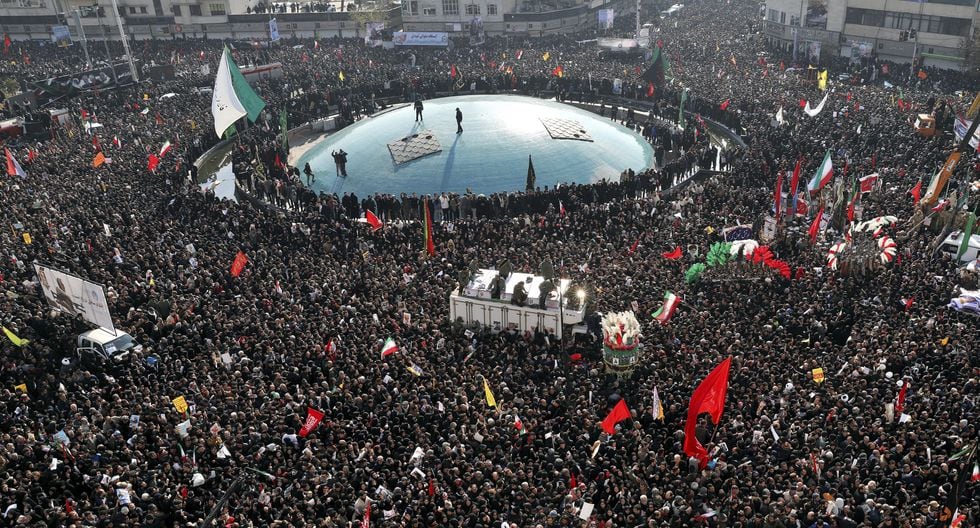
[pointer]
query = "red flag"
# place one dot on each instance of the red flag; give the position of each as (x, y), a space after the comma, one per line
(373, 220)
(675, 254)
(778, 194)
(430, 246)
(619, 413)
(95, 142)
(159, 119)
(453, 72)
(152, 162)
(558, 71)
(916, 193)
(909, 302)
(31, 155)
(802, 103)
(366, 523)
(815, 226)
(709, 398)
(572, 483)
(850, 207)
(313, 418)
(238, 264)
(900, 406)
(724, 106)
(561, 209)
(6, 43)
(634, 246)
(68, 508)
(868, 183)
(650, 89)
(278, 162)
(432, 487)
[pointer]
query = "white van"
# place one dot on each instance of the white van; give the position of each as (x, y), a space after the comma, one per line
(951, 246)
(105, 344)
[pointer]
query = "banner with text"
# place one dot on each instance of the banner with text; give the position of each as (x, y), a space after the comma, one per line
(421, 38)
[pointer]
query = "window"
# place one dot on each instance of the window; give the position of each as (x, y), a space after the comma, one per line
(195, 9)
(142, 10)
(450, 7)
(132, 10)
(472, 9)
(782, 17)
(216, 9)
(491, 9)
(429, 11)
(176, 9)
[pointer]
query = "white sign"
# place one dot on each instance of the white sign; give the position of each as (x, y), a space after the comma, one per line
(421, 38)
(74, 295)
(273, 30)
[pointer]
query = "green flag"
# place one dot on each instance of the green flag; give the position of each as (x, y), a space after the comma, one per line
(284, 129)
(967, 233)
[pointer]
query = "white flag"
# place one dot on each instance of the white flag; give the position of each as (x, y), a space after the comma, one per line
(812, 112)
(226, 108)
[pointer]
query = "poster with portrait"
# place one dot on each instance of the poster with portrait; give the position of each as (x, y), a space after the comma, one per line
(605, 18)
(373, 33)
(273, 30)
(813, 51)
(74, 295)
(61, 36)
(477, 34)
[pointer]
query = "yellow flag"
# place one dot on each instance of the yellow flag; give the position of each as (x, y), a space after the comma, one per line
(180, 404)
(546, 55)
(822, 80)
(818, 375)
(146, 97)
(28, 239)
(341, 76)
(193, 124)
(486, 390)
(22, 387)
(14, 339)
(944, 341)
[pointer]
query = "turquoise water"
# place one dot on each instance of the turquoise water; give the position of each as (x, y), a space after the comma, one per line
(500, 131)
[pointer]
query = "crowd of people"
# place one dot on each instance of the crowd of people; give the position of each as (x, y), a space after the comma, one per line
(409, 439)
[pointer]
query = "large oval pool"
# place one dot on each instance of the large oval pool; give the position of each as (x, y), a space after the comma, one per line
(491, 155)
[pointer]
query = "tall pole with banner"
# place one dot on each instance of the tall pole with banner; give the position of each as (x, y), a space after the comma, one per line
(125, 43)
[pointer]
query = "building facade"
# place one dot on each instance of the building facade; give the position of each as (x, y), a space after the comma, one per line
(934, 33)
(508, 17)
(156, 19)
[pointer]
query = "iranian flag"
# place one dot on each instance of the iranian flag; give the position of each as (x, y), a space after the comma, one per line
(389, 348)
(825, 172)
(232, 98)
(13, 168)
(667, 310)
(165, 148)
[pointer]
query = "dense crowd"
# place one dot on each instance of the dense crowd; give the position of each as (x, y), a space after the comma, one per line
(303, 325)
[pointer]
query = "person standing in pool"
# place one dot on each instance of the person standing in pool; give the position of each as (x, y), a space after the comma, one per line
(340, 159)
(418, 110)
(459, 121)
(310, 178)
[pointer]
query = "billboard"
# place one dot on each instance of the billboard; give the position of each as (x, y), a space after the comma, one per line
(71, 294)
(61, 36)
(273, 30)
(421, 38)
(606, 17)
